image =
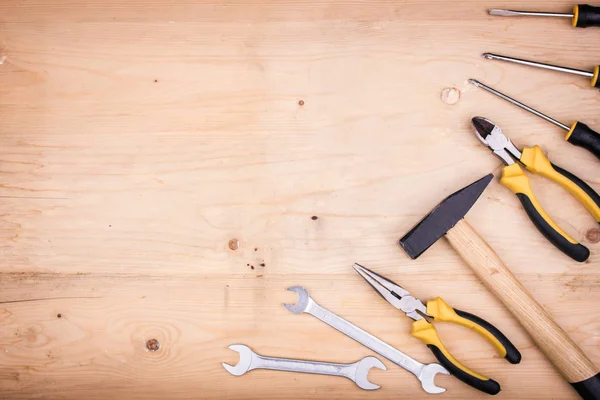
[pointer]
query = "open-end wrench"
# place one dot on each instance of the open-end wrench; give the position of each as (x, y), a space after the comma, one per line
(356, 372)
(424, 372)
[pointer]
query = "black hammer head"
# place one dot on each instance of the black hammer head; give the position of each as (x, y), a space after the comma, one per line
(442, 218)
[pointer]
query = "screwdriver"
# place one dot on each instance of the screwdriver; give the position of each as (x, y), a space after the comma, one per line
(579, 134)
(593, 74)
(583, 15)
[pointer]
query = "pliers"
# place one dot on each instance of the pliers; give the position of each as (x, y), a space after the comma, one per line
(438, 310)
(534, 160)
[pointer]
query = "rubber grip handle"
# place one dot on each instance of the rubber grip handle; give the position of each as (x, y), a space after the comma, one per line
(591, 199)
(588, 389)
(583, 136)
(489, 386)
(427, 333)
(576, 251)
(515, 179)
(585, 15)
(513, 355)
(441, 311)
(536, 162)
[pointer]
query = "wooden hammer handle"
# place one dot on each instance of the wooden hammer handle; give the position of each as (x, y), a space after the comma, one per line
(551, 339)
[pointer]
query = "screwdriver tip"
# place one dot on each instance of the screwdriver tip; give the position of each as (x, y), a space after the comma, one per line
(501, 13)
(488, 56)
(475, 82)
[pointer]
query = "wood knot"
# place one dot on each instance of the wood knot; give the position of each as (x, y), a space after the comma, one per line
(234, 244)
(153, 345)
(450, 95)
(593, 235)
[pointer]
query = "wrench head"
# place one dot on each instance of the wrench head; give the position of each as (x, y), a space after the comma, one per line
(245, 359)
(427, 377)
(302, 303)
(362, 371)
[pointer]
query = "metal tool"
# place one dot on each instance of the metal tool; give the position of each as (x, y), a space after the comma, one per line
(579, 134)
(513, 13)
(425, 373)
(447, 219)
(439, 310)
(583, 15)
(357, 372)
(590, 74)
(515, 179)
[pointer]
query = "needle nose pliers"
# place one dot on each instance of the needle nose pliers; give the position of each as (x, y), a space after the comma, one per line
(439, 310)
(534, 160)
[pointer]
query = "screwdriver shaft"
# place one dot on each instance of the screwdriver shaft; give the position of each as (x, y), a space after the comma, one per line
(491, 56)
(511, 13)
(519, 104)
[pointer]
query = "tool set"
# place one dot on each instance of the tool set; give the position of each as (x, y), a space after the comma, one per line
(534, 160)
(579, 134)
(425, 373)
(447, 219)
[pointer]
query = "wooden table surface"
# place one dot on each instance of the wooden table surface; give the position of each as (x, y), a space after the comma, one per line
(168, 168)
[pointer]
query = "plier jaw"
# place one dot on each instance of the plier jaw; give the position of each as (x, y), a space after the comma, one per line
(492, 136)
(395, 294)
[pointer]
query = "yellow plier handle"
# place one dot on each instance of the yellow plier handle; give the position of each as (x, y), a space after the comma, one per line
(427, 333)
(515, 179)
(536, 162)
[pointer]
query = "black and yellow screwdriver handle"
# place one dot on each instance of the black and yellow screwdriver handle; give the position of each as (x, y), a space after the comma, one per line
(515, 179)
(427, 333)
(583, 136)
(595, 80)
(585, 15)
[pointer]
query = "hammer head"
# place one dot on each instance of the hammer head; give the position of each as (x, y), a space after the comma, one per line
(442, 218)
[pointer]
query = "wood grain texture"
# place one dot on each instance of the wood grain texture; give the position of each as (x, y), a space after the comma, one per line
(138, 138)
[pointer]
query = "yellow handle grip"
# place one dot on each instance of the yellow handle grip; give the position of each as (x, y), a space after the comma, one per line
(427, 333)
(515, 179)
(536, 162)
(441, 311)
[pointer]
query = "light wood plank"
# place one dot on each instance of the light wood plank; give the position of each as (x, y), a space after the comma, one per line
(138, 138)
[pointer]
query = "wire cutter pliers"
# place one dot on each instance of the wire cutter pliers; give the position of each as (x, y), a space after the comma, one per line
(534, 160)
(438, 310)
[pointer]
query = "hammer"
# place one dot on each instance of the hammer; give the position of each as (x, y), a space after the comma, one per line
(447, 219)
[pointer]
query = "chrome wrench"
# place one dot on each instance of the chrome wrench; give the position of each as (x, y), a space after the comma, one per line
(425, 373)
(357, 372)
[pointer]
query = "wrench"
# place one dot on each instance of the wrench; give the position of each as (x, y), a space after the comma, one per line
(356, 372)
(424, 372)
